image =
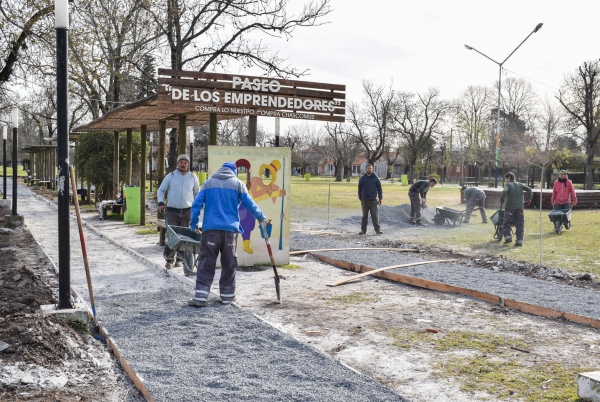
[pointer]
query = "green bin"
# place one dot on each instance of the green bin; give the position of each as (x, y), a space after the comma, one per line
(132, 205)
(307, 176)
(201, 177)
(404, 179)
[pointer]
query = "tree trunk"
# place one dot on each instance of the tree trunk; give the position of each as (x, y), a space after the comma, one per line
(338, 171)
(589, 169)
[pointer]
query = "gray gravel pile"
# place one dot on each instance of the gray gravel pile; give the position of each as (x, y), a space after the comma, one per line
(395, 216)
(561, 297)
(223, 353)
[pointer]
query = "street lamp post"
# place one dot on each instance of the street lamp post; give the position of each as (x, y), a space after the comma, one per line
(537, 28)
(15, 125)
(192, 150)
(4, 138)
(61, 14)
(150, 156)
(277, 130)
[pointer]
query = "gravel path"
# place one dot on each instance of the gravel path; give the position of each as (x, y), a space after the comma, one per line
(535, 291)
(185, 354)
(224, 353)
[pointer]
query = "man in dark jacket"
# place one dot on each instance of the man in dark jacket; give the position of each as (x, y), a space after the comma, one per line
(475, 197)
(419, 189)
(513, 194)
(220, 196)
(369, 190)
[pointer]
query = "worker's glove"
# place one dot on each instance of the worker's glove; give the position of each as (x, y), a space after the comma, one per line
(263, 221)
(380, 200)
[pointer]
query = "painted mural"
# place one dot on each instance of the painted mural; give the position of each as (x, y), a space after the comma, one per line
(266, 172)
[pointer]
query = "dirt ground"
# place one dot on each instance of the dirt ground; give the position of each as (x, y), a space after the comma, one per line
(46, 360)
(480, 352)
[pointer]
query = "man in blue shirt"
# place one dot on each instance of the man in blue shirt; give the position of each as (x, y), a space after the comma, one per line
(220, 196)
(369, 190)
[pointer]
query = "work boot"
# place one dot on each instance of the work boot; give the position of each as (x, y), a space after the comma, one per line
(227, 299)
(169, 265)
(198, 302)
(484, 222)
(362, 232)
(507, 239)
(178, 263)
(519, 243)
(379, 232)
(419, 223)
(412, 222)
(465, 222)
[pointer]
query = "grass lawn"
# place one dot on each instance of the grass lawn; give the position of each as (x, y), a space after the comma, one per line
(574, 250)
(9, 171)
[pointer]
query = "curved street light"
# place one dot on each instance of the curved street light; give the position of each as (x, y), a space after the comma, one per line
(537, 28)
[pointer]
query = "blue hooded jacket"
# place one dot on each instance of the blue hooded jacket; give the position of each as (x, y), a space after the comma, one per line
(221, 196)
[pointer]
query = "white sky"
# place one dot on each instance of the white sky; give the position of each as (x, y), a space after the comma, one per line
(419, 44)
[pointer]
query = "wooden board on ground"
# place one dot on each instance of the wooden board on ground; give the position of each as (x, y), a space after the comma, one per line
(355, 248)
(385, 269)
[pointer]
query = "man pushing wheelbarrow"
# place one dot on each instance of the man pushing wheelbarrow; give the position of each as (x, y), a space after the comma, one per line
(563, 200)
(513, 194)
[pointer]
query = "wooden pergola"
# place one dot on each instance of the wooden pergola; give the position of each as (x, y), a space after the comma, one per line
(193, 98)
(42, 163)
(146, 116)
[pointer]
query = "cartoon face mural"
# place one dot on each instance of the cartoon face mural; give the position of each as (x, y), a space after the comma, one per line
(271, 193)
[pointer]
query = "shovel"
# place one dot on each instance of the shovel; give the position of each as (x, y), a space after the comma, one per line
(277, 286)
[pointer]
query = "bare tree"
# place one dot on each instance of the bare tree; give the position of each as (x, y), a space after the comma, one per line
(580, 96)
(345, 148)
(208, 34)
(304, 138)
(109, 47)
(23, 24)
(418, 119)
(371, 120)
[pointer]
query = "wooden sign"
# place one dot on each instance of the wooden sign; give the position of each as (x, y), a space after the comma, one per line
(233, 94)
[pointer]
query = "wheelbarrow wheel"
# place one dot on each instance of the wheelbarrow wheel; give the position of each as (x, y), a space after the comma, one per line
(439, 219)
(498, 235)
(568, 225)
(188, 266)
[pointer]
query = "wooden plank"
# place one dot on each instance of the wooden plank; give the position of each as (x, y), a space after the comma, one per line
(355, 248)
(487, 297)
(374, 271)
(229, 77)
(174, 82)
(126, 367)
(164, 99)
(268, 113)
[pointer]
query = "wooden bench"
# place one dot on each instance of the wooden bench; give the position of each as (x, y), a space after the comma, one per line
(113, 208)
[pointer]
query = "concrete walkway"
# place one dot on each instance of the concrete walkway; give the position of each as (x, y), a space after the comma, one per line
(187, 354)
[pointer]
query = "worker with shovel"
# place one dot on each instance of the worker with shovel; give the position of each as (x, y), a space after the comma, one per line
(475, 197)
(220, 196)
(419, 189)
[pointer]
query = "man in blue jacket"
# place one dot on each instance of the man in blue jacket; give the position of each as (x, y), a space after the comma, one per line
(369, 190)
(220, 196)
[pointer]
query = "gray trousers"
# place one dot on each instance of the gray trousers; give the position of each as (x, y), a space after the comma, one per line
(369, 206)
(213, 243)
(476, 201)
(177, 219)
(415, 205)
(518, 219)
